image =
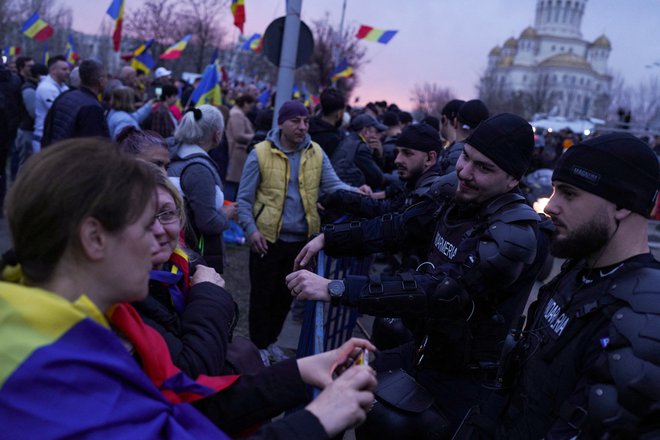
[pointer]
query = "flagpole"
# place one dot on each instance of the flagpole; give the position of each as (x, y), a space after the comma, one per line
(336, 54)
(288, 55)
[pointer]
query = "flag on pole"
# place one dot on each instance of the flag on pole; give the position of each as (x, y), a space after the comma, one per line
(46, 55)
(70, 51)
(174, 51)
(253, 43)
(116, 12)
(140, 58)
(238, 11)
(343, 70)
(373, 34)
(208, 89)
(11, 51)
(36, 28)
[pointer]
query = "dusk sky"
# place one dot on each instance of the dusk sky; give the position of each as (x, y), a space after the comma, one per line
(444, 41)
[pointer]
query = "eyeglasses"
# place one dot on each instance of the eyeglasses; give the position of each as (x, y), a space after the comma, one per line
(167, 217)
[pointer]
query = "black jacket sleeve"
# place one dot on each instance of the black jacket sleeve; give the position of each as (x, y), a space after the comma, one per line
(198, 339)
(254, 399)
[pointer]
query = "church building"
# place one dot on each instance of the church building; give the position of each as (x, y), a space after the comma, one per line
(550, 68)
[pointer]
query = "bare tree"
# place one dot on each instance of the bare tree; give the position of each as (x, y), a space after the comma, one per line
(155, 19)
(429, 99)
(202, 18)
(326, 39)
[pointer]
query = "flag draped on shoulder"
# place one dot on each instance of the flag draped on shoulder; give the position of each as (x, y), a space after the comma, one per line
(373, 34)
(68, 352)
(343, 70)
(36, 28)
(11, 51)
(70, 51)
(238, 11)
(208, 89)
(174, 51)
(253, 43)
(116, 12)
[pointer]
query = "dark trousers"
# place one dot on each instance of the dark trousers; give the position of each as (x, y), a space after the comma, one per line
(270, 299)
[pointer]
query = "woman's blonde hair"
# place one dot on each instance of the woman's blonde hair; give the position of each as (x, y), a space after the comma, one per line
(123, 98)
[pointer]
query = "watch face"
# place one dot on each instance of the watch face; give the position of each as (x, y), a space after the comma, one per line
(336, 288)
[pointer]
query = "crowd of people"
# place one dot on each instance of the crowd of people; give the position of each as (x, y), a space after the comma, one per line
(114, 305)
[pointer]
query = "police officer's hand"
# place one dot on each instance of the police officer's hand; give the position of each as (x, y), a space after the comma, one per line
(308, 252)
(304, 284)
(365, 190)
(258, 243)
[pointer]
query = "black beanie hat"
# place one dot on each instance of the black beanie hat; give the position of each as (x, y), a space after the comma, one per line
(472, 113)
(617, 167)
(507, 140)
(291, 109)
(421, 137)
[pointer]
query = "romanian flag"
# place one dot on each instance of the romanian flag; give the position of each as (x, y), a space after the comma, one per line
(208, 89)
(238, 11)
(36, 28)
(46, 55)
(70, 52)
(373, 34)
(343, 70)
(296, 92)
(11, 51)
(253, 43)
(174, 51)
(65, 374)
(116, 12)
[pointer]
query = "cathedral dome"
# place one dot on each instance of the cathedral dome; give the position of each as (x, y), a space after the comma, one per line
(529, 32)
(511, 42)
(603, 42)
(495, 51)
(506, 62)
(566, 60)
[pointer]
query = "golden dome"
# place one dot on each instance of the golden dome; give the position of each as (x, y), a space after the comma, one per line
(529, 32)
(602, 41)
(495, 51)
(511, 42)
(506, 62)
(566, 60)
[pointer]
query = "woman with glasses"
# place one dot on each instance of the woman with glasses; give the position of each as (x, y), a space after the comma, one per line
(187, 302)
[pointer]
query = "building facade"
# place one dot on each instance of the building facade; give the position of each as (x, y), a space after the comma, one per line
(550, 68)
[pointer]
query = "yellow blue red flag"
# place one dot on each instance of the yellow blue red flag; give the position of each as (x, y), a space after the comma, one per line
(238, 11)
(174, 51)
(116, 12)
(373, 34)
(36, 28)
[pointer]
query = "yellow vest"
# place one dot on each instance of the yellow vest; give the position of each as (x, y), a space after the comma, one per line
(271, 193)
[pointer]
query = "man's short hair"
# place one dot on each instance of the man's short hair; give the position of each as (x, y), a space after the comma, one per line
(169, 90)
(22, 61)
(244, 99)
(332, 100)
(37, 70)
(54, 59)
(91, 72)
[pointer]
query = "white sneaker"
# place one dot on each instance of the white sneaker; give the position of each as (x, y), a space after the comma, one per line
(263, 352)
(276, 353)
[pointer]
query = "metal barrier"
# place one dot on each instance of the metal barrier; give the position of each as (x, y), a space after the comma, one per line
(325, 328)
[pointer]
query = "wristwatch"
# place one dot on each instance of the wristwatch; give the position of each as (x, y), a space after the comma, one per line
(336, 290)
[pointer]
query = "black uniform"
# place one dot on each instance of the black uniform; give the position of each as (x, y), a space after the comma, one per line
(572, 363)
(482, 263)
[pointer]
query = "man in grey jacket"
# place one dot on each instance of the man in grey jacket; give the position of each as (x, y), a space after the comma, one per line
(280, 185)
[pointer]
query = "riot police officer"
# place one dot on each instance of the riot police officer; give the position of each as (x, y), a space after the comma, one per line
(486, 247)
(591, 351)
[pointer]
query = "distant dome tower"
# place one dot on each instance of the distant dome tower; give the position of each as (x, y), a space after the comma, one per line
(560, 17)
(598, 53)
